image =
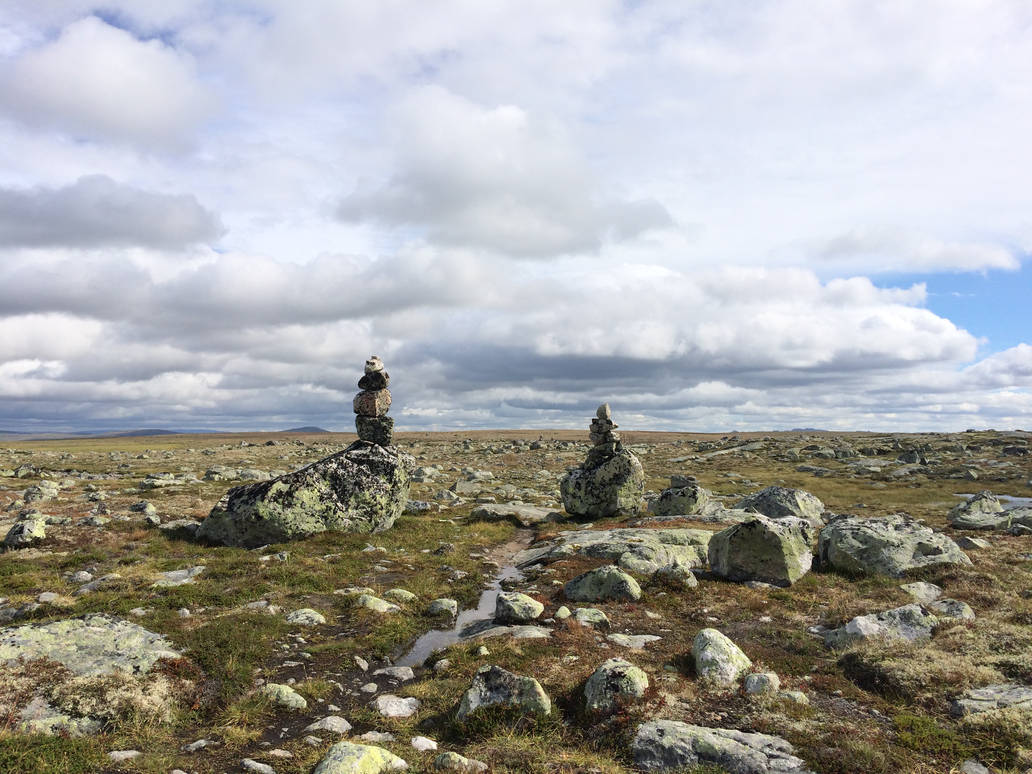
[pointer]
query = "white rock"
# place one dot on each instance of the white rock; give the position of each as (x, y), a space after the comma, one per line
(391, 706)
(423, 744)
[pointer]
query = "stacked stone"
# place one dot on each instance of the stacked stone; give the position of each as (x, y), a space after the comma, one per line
(606, 441)
(372, 403)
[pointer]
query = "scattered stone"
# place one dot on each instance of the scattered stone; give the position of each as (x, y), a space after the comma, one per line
(452, 761)
(284, 696)
(717, 659)
(179, 577)
(889, 545)
(683, 500)
(494, 686)
(590, 616)
(306, 617)
(632, 641)
(677, 575)
(332, 723)
(120, 756)
(376, 604)
(443, 606)
(26, 533)
(762, 683)
(610, 482)
(512, 607)
(351, 758)
(952, 608)
(669, 744)
(778, 502)
(922, 591)
(391, 706)
(971, 766)
(614, 684)
(517, 513)
(980, 511)
(423, 744)
(910, 623)
(258, 768)
(602, 584)
(796, 697)
(398, 674)
(763, 549)
(640, 550)
(562, 613)
(972, 543)
(992, 697)
(402, 596)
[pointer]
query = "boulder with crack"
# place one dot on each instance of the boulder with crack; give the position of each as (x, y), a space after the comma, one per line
(641, 550)
(662, 745)
(889, 545)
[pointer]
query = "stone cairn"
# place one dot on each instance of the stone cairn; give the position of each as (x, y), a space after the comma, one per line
(372, 404)
(610, 481)
(602, 434)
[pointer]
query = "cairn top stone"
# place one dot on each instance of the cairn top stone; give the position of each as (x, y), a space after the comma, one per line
(373, 364)
(604, 412)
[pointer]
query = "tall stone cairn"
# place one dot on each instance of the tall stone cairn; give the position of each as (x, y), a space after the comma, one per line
(372, 404)
(610, 481)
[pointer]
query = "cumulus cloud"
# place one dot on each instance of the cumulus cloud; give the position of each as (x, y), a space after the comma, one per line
(97, 211)
(98, 81)
(891, 250)
(496, 179)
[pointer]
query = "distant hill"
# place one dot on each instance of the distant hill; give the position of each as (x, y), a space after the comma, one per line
(305, 429)
(144, 431)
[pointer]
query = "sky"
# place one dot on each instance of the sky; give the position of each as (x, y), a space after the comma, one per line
(716, 215)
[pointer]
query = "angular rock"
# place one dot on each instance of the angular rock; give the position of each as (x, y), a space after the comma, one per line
(680, 501)
(952, 608)
(443, 606)
(909, 622)
(351, 758)
(519, 514)
(992, 697)
(512, 607)
(26, 533)
(778, 502)
(763, 549)
(179, 577)
(391, 706)
(601, 584)
(660, 745)
(762, 683)
(332, 723)
(372, 403)
(493, 686)
(378, 430)
(614, 684)
(361, 489)
(632, 641)
(980, 511)
(452, 761)
(377, 605)
(306, 617)
(590, 616)
(644, 551)
(922, 591)
(889, 545)
(284, 696)
(604, 486)
(717, 659)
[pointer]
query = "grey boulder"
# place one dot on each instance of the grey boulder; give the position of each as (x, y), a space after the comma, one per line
(604, 486)
(992, 697)
(763, 549)
(660, 745)
(980, 511)
(640, 550)
(889, 545)
(361, 489)
(601, 584)
(614, 684)
(680, 501)
(493, 686)
(910, 623)
(778, 502)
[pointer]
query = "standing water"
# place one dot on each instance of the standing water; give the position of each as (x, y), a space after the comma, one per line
(438, 639)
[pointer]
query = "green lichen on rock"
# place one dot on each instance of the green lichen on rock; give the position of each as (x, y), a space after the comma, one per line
(351, 758)
(615, 683)
(763, 549)
(361, 489)
(604, 486)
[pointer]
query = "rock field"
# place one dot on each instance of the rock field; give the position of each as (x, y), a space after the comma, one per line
(517, 601)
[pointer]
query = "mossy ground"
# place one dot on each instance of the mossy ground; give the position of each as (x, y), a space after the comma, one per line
(874, 709)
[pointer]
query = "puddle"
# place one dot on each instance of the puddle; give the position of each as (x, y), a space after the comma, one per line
(438, 639)
(1007, 500)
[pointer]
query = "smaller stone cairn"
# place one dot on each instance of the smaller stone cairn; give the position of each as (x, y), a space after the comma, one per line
(372, 404)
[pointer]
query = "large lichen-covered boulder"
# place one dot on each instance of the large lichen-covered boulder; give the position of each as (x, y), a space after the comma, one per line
(494, 686)
(980, 511)
(640, 550)
(606, 486)
(601, 584)
(27, 532)
(778, 502)
(614, 684)
(351, 758)
(763, 550)
(888, 545)
(361, 489)
(662, 745)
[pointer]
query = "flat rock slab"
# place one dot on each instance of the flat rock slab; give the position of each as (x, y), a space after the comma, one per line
(992, 697)
(639, 550)
(910, 623)
(661, 745)
(518, 514)
(91, 646)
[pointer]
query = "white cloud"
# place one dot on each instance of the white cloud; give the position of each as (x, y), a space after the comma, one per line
(100, 82)
(496, 179)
